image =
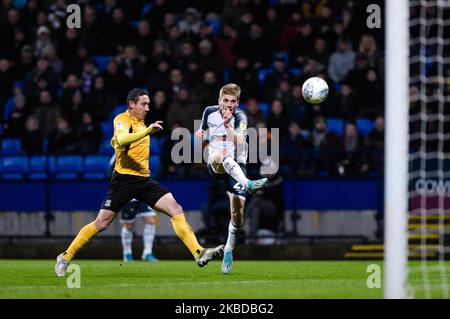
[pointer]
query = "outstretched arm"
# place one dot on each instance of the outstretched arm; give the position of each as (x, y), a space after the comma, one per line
(124, 137)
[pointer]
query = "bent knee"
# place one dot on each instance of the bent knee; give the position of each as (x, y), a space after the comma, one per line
(128, 226)
(217, 158)
(176, 208)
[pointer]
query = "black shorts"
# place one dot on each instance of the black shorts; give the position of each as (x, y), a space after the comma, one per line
(231, 185)
(124, 188)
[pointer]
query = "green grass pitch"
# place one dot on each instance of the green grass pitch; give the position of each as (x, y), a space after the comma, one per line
(184, 279)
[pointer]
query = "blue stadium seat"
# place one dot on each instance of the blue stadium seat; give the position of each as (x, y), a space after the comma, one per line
(14, 167)
(216, 26)
(335, 125)
(337, 87)
(96, 166)
(155, 164)
(262, 75)
(106, 148)
(283, 54)
(146, 8)
(102, 61)
(116, 111)
(264, 107)
(38, 166)
(107, 129)
(365, 126)
(11, 146)
(68, 166)
(295, 71)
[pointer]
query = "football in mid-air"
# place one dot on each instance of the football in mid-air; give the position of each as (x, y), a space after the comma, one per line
(315, 90)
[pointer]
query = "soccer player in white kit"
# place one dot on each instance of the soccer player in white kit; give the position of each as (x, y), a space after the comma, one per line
(225, 126)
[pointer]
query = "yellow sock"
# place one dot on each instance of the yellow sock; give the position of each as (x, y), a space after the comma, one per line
(185, 233)
(85, 234)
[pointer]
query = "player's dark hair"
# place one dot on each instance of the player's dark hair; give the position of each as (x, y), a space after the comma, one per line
(134, 94)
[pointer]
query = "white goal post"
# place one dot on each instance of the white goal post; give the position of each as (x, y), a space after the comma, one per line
(396, 151)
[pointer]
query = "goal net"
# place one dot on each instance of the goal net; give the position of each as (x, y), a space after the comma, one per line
(429, 149)
(417, 179)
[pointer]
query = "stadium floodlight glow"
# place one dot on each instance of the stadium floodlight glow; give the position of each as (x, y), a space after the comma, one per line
(396, 137)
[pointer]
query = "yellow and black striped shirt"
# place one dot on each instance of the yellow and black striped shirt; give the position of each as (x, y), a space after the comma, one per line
(133, 158)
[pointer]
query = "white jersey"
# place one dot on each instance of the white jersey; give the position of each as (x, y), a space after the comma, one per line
(212, 123)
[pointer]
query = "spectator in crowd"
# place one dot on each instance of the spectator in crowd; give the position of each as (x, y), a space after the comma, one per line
(99, 101)
(43, 41)
(253, 112)
(342, 60)
(114, 80)
(88, 135)
(373, 93)
(368, 47)
(208, 60)
(190, 24)
(292, 145)
(168, 167)
(120, 32)
(352, 157)
(55, 63)
(326, 144)
(7, 78)
(145, 38)
(160, 107)
(74, 110)
(278, 117)
(62, 139)
(242, 73)
(184, 109)
(226, 44)
(15, 123)
(31, 137)
(47, 112)
(88, 74)
(43, 71)
(345, 104)
(274, 78)
(207, 91)
(160, 78)
(25, 63)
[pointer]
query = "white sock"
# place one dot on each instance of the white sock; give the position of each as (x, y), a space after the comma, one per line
(127, 237)
(235, 171)
(232, 236)
(148, 237)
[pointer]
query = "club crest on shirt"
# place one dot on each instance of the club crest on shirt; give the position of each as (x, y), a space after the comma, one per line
(243, 126)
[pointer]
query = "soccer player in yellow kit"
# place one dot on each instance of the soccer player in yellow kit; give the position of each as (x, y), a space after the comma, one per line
(131, 179)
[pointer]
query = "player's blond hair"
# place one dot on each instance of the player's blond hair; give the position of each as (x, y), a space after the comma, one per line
(230, 89)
